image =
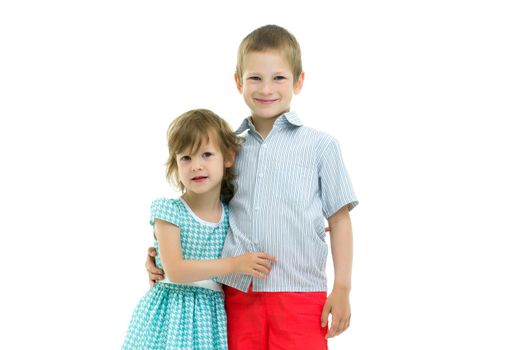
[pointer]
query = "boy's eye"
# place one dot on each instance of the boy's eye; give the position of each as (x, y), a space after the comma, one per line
(207, 154)
(280, 77)
(185, 158)
(254, 78)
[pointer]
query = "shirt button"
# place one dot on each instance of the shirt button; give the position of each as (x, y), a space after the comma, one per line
(264, 145)
(260, 175)
(257, 208)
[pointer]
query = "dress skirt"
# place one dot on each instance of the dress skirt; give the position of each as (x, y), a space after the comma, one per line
(172, 316)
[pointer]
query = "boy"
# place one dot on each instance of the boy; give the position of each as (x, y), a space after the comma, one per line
(290, 178)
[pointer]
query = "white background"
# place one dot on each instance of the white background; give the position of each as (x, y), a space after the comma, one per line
(425, 98)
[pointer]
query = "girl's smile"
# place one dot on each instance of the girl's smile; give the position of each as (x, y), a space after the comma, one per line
(199, 178)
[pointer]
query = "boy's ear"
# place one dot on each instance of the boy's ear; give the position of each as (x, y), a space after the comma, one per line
(238, 82)
(298, 84)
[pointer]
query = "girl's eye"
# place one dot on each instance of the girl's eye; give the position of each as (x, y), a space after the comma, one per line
(206, 154)
(254, 78)
(185, 158)
(280, 77)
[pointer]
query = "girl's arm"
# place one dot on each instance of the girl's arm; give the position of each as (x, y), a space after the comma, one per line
(178, 270)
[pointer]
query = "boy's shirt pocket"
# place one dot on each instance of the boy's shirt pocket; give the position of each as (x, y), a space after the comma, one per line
(298, 184)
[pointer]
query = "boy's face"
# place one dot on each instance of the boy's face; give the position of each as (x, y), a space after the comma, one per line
(267, 84)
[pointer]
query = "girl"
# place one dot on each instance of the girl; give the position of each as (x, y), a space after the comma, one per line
(186, 311)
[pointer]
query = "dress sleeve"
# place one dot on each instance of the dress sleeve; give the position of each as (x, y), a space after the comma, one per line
(335, 183)
(165, 209)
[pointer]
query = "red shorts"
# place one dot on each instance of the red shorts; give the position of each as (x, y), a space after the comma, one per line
(275, 320)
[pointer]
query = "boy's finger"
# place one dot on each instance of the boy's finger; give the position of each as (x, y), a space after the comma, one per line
(329, 334)
(324, 315)
(156, 276)
(150, 263)
(152, 269)
(151, 283)
(151, 251)
(343, 325)
(331, 331)
(334, 330)
(335, 326)
(340, 328)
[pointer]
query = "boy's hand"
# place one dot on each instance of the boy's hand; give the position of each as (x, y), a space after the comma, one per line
(154, 273)
(337, 304)
(257, 265)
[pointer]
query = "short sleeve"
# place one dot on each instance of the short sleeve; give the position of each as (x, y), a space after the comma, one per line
(335, 184)
(165, 209)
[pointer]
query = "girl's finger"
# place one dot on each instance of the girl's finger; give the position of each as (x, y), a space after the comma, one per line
(262, 268)
(265, 265)
(267, 257)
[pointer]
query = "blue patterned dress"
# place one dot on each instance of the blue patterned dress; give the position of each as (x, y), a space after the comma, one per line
(172, 316)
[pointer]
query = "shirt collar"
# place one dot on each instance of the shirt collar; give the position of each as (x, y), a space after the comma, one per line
(288, 118)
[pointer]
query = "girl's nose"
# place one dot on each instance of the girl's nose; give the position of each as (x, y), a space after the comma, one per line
(196, 166)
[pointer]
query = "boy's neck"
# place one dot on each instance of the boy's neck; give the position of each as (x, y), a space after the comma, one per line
(264, 125)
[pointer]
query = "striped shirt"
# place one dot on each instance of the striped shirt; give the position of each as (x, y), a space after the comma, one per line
(287, 185)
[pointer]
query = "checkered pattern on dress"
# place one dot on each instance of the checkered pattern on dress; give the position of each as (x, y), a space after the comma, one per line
(172, 316)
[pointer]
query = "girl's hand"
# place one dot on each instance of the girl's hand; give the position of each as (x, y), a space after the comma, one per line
(257, 265)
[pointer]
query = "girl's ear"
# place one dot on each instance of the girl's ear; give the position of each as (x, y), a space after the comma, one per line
(228, 162)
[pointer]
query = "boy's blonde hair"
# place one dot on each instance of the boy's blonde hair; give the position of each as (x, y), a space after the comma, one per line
(271, 37)
(190, 130)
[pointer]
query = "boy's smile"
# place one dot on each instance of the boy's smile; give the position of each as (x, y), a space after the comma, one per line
(267, 86)
(265, 101)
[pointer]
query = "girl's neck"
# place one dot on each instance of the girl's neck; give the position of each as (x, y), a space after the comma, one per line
(206, 206)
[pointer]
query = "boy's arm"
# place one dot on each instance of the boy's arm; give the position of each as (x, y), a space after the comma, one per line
(338, 302)
(154, 273)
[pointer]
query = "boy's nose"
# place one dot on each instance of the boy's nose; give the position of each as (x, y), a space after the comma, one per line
(266, 88)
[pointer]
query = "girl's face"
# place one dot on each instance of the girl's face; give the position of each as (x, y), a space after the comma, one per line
(202, 171)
